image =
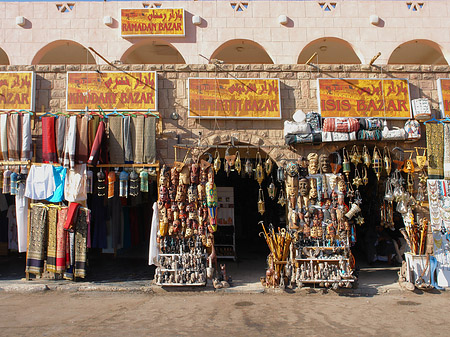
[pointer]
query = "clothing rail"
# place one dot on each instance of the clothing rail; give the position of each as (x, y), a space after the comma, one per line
(29, 163)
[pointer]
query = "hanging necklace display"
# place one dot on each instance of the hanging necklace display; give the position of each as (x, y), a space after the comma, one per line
(261, 205)
(376, 162)
(259, 172)
(365, 178)
(355, 157)
(238, 163)
(357, 181)
(345, 164)
(272, 190)
(389, 193)
(366, 156)
(387, 160)
(335, 162)
(282, 197)
(248, 165)
(217, 161)
(268, 165)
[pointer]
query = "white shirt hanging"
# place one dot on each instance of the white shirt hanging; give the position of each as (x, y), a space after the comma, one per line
(40, 182)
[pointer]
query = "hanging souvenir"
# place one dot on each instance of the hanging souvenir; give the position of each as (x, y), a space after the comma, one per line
(302, 167)
(259, 172)
(389, 193)
(226, 167)
(345, 164)
(280, 174)
(268, 166)
(335, 162)
(101, 184)
(272, 190)
(376, 162)
(408, 167)
(185, 174)
(357, 181)
(134, 184)
(365, 178)
(144, 180)
(410, 184)
(366, 156)
(332, 181)
(282, 198)
(211, 201)
(355, 157)
(174, 176)
(360, 220)
(420, 196)
(248, 165)
(7, 181)
(313, 194)
(112, 180)
(238, 163)
(320, 184)
(229, 158)
(313, 163)
(192, 194)
(89, 181)
(164, 176)
(421, 159)
(195, 173)
(123, 184)
(398, 158)
(387, 160)
(324, 163)
(217, 161)
(261, 205)
(14, 183)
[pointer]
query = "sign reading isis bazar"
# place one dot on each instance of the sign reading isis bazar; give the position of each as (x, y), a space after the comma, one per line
(242, 98)
(152, 21)
(362, 98)
(17, 90)
(131, 91)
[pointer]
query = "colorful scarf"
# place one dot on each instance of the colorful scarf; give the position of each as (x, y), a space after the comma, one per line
(61, 240)
(60, 136)
(446, 151)
(13, 137)
(137, 138)
(25, 153)
(71, 216)
(115, 140)
(81, 242)
(92, 130)
(435, 150)
(82, 152)
(4, 135)
(36, 241)
(52, 239)
(70, 143)
(127, 140)
(97, 144)
(48, 140)
(149, 140)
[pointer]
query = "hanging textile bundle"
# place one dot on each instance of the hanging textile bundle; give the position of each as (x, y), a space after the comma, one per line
(134, 184)
(123, 184)
(49, 154)
(101, 184)
(144, 180)
(13, 180)
(7, 182)
(111, 181)
(89, 181)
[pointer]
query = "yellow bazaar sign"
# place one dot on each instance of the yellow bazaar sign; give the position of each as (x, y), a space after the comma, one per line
(152, 22)
(243, 98)
(17, 90)
(131, 91)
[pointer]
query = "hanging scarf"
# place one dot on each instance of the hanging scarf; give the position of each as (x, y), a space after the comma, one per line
(52, 214)
(137, 138)
(149, 140)
(81, 243)
(115, 140)
(70, 143)
(92, 130)
(71, 216)
(25, 153)
(96, 145)
(13, 137)
(61, 240)
(82, 152)
(22, 217)
(48, 140)
(127, 140)
(435, 150)
(111, 181)
(4, 135)
(36, 246)
(60, 136)
(446, 151)
(153, 251)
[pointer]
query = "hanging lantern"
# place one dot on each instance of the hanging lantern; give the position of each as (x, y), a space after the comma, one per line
(282, 198)
(261, 205)
(355, 157)
(357, 181)
(226, 167)
(346, 164)
(280, 174)
(272, 190)
(366, 156)
(365, 178)
(268, 165)
(238, 163)
(217, 161)
(387, 160)
(259, 173)
(376, 162)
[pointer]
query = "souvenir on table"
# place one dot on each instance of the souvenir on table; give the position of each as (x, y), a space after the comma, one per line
(355, 157)
(387, 160)
(376, 162)
(217, 161)
(366, 156)
(345, 164)
(313, 163)
(259, 172)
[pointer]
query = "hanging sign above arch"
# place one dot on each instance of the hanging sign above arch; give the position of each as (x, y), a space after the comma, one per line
(363, 98)
(131, 91)
(17, 90)
(244, 98)
(152, 22)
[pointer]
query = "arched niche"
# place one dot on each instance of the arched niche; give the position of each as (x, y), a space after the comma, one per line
(242, 52)
(330, 50)
(417, 52)
(152, 52)
(4, 59)
(63, 52)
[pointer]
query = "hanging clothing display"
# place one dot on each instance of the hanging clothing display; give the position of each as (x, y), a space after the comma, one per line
(92, 130)
(22, 217)
(435, 150)
(60, 130)
(40, 182)
(81, 230)
(115, 140)
(36, 243)
(153, 251)
(59, 174)
(128, 149)
(97, 144)
(12, 228)
(13, 137)
(137, 138)
(82, 143)
(49, 154)
(52, 220)
(446, 151)
(61, 240)
(70, 143)
(4, 135)
(150, 140)
(75, 188)
(26, 152)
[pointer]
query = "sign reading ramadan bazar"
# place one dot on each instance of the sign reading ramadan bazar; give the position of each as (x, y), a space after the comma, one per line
(444, 96)
(17, 90)
(384, 98)
(131, 91)
(152, 21)
(234, 98)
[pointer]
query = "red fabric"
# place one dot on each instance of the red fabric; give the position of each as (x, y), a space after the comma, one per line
(71, 215)
(49, 140)
(340, 125)
(96, 146)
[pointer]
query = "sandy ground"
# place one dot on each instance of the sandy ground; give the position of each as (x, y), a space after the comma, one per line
(195, 314)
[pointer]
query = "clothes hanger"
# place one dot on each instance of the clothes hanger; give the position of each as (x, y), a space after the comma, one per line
(446, 119)
(115, 112)
(151, 113)
(29, 112)
(48, 114)
(433, 120)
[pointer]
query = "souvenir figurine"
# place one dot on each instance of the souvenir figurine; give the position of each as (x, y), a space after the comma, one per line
(313, 188)
(201, 192)
(303, 189)
(192, 194)
(195, 174)
(324, 162)
(211, 199)
(164, 176)
(313, 163)
(174, 176)
(185, 174)
(259, 171)
(238, 163)
(217, 161)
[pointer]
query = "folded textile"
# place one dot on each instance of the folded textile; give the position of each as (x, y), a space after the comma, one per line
(82, 145)
(70, 143)
(127, 145)
(310, 138)
(60, 130)
(369, 134)
(296, 128)
(49, 154)
(137, 138)
(26, 152)
(340, 125)
(338, 136)
(115, 140)
(370, 124)
(13, 134)
(75, 188)
(40, 182)
(97, 144)
(150, 140)
(36, 241)
(4, 135)
(313, 119)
